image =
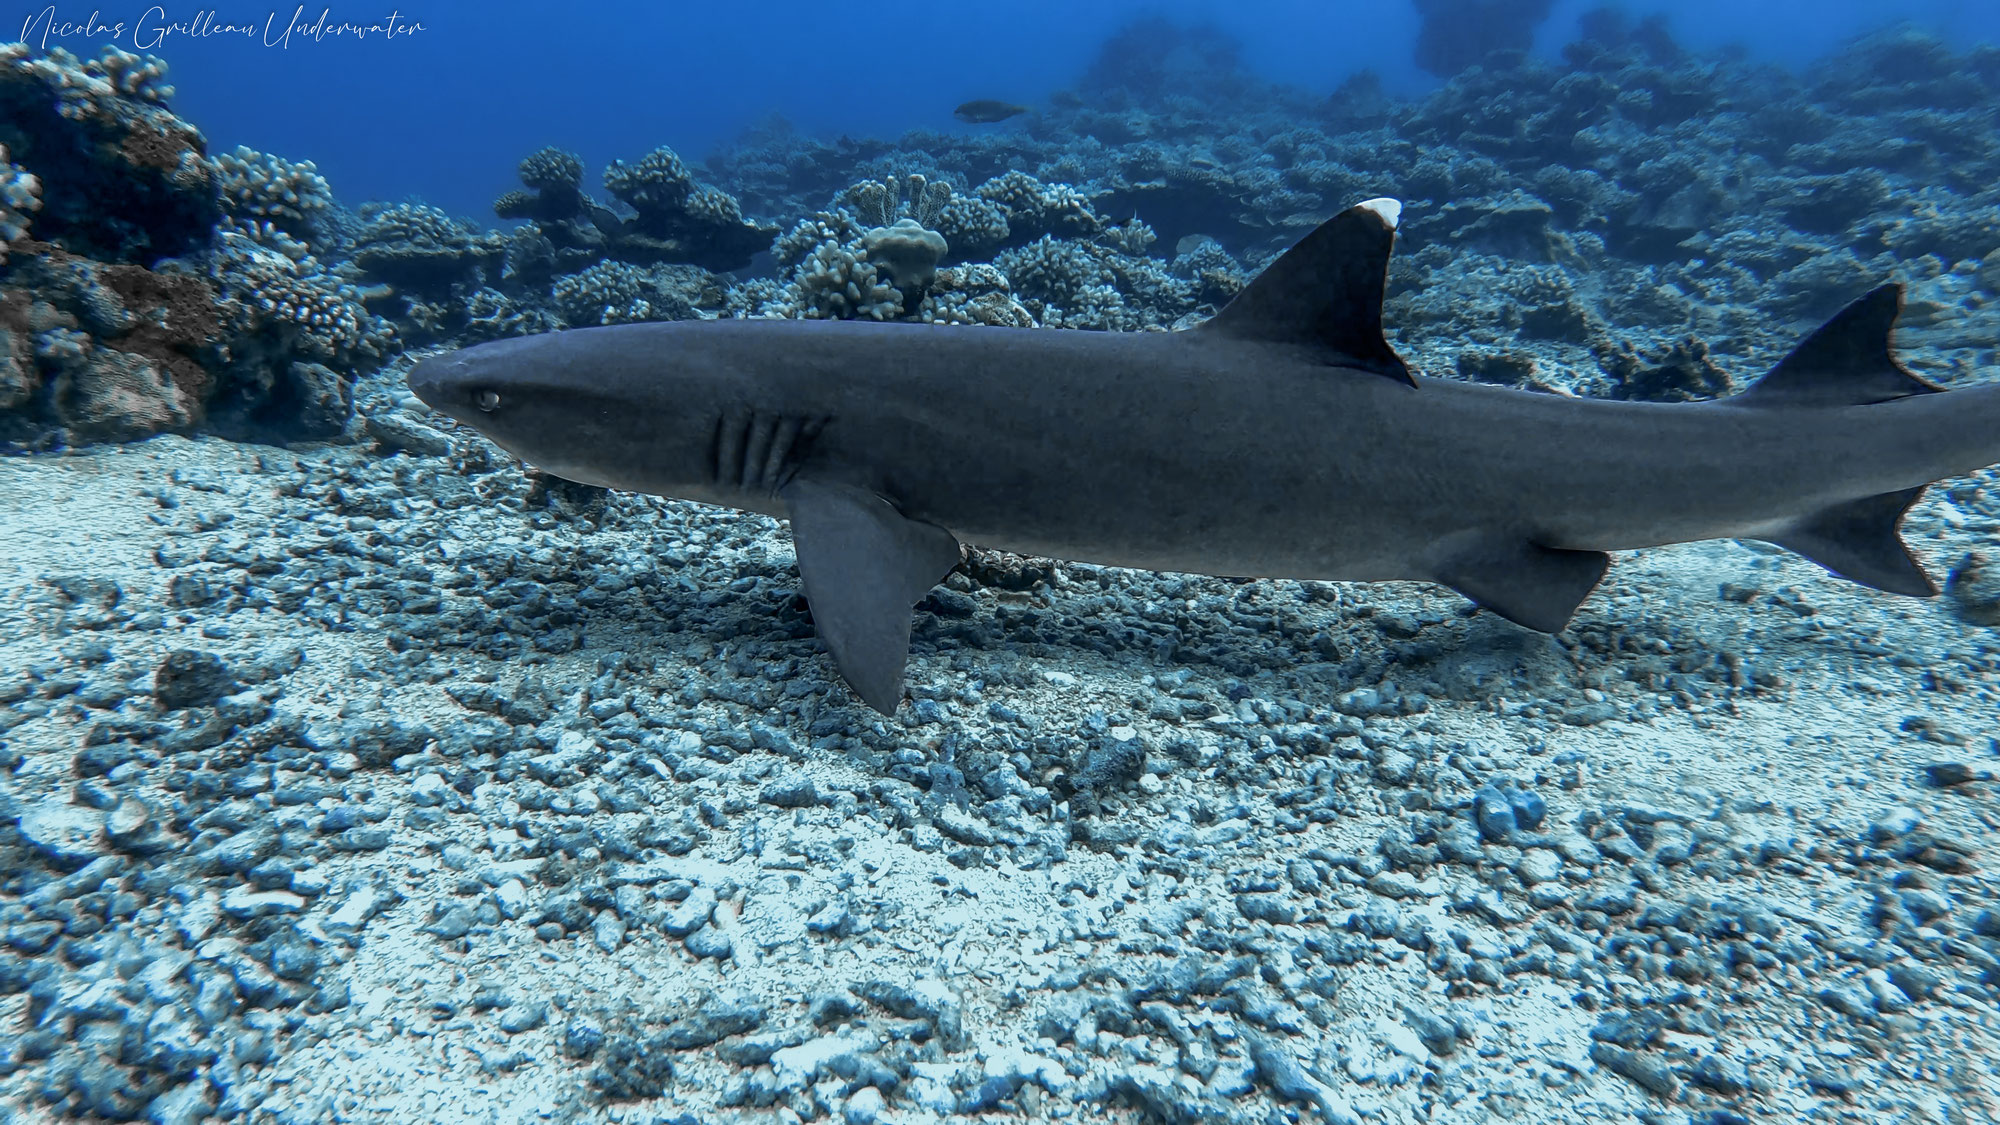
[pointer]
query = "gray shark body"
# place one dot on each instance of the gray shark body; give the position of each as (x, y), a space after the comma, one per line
(1282, 439)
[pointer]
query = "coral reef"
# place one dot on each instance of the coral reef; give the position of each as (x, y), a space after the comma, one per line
(564, 231)
(492, 315)
(902, 246)
(20, 197)
(101, 352)
(1077, 284)
(872, 255)
(909, 254)
(164, 290)
(884, 202)
(290, 196)
(836, 282)
(1684, 372)
(421, 249)
(296, 300)
(619, 292)
(290, 324)
(678, 220)
(578, 261)
(975, 294)
(1571, 223)
(1035, 209)
(122, 179)
(973, 227)
(554, 179)
(427, 264)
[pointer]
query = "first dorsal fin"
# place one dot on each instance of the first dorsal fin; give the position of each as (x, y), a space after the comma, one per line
(1849, 361)
(1326, 293)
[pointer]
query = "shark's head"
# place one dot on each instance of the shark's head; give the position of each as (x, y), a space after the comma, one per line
(595, 405)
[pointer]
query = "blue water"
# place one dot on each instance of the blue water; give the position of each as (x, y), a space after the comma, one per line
(446, 110)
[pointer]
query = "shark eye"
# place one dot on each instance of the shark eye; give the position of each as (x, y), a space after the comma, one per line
(486, 400)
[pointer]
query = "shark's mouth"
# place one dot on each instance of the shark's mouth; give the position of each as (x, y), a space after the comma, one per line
(579, 474)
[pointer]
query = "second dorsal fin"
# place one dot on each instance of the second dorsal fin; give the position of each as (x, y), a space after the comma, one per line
(1848, 361)
(1326, 293)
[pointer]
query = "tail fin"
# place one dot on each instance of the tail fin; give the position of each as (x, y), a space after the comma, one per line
(1851, 361)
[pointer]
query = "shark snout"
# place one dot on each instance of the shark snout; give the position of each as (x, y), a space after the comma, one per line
(435, 380)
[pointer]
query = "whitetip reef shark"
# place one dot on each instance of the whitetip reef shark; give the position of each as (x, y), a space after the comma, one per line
(1283, 438)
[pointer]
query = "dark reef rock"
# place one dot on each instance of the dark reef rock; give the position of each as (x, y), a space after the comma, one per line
(123, 179)
(1683, 373)
(103, 352)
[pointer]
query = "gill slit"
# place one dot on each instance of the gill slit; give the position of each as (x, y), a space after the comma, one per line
(756, 451)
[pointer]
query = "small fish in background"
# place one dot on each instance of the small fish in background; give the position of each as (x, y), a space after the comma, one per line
(986, 111)
(1065, 99)
(605, 220)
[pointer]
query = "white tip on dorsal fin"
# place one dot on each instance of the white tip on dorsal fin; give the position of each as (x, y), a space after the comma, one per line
(1325, 294)
(1391, 210)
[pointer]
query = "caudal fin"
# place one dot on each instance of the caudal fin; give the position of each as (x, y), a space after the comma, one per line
(1851, 361)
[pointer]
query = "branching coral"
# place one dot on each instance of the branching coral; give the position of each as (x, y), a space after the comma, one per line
(880, 203)
(973, 227)
(1132, 238)
(974, 294)
(1215, 275)
(135, 76)
(678, 220)
(291, 196)
(606, 293)
(807, 235)
(551, 169)
(1075, 284)
(619, 293)
(1034, 207)
(659, 182)
(899, 239)
(838, 284)
(90, 88)
(834, 282)
(492, 315)
(1684, 372)
(715, 207)
(554, 179)
(308, 308)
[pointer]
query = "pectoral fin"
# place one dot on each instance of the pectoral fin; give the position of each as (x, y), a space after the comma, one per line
(865, 566)
(1539, 587)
